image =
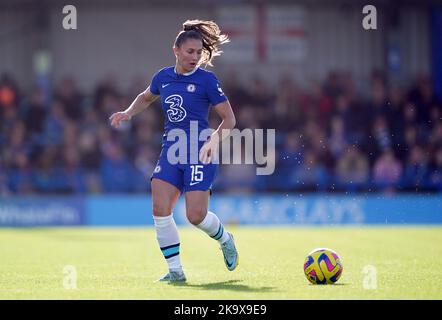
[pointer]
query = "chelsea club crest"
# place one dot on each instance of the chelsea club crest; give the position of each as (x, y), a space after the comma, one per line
(191, 88)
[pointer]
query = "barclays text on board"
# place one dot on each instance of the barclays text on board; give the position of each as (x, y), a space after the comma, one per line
(294, 210)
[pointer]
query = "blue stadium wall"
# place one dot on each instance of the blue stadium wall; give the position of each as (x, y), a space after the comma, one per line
(295, 210)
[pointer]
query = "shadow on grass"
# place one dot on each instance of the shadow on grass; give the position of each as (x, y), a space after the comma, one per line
(86, 237)
(328, 285)
(233, 285)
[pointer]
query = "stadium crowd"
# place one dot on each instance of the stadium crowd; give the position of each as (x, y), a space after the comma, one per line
(329, 137)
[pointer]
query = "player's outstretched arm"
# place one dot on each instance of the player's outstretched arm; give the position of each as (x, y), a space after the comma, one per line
(141, 102)
(224, 110)
(210, 147)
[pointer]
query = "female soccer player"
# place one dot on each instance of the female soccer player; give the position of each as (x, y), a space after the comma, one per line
(186, 92)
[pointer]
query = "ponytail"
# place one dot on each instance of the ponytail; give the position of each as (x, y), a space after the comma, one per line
(206, 31)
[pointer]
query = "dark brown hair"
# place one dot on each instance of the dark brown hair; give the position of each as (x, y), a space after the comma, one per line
(206, 31)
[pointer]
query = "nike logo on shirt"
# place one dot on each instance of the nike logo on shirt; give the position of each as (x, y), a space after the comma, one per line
(164, 85)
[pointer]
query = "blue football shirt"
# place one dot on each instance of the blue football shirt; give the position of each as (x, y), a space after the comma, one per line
(185, 98)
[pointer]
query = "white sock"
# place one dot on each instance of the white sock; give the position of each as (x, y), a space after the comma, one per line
(213, 227)
(169, 241)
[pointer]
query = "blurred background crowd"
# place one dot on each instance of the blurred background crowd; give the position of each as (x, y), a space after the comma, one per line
(329, 136)
(355, 109)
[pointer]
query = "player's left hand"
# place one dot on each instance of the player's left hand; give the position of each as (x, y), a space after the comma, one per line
(209, 150)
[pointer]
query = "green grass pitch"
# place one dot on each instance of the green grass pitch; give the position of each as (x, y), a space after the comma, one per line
(123, 263)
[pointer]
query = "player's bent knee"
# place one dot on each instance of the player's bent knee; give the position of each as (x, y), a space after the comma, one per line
(196, 215)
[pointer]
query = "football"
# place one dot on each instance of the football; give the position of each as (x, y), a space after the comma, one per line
(323, 266)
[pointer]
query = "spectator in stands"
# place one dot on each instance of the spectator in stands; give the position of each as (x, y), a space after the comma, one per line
(332, 86)
(436, 171)
(145, 162)
(387, 171)
(19, 176)
(416, 171)
(286, 97)
(15, 143)
(423, 97)
(260, 94)
(44, 147)
(9, 94)
(238, 177)
(246, 118)
(318, 144)
(9, 117)
(342, 109)
(292, 153)
(45, 174)
(321, 102)
(395, 105)
(35, 114)
(352, 170)
(234, 89)
(378, 100)
(106, 87)
(74, 178)
(90, 122)
(338, 138)
(311, 175)
(55, 124)
(435, 138)
(110, 102)
(410, 114)
(71, 98)
(381, 136)
(116, 170)
(435, 114)
(408, 139)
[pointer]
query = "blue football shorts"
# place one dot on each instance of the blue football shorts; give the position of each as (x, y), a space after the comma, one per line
(185, 177)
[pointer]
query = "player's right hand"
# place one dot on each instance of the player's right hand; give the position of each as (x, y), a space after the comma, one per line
(117, 117)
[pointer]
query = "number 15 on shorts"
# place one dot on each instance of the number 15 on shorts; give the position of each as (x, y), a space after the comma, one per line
(197, 175)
